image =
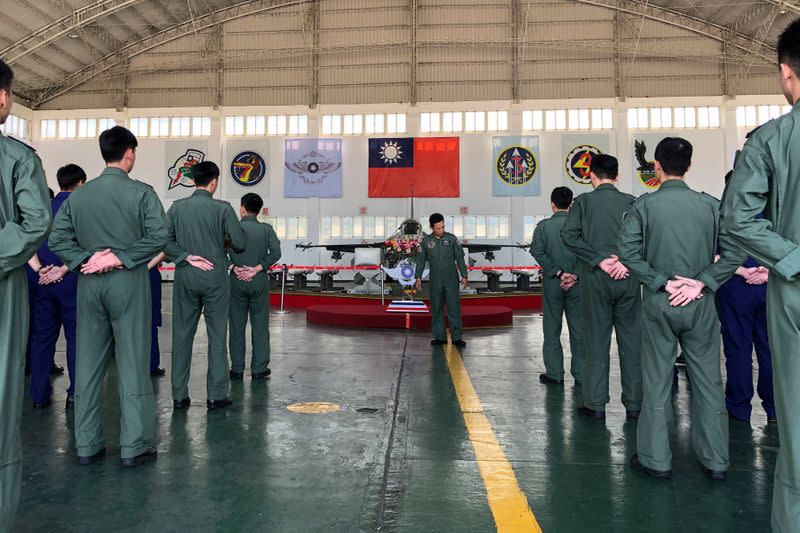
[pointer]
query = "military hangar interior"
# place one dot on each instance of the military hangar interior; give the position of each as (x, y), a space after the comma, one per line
(364, 425)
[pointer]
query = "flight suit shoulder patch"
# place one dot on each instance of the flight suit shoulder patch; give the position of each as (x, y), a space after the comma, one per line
(141, 183)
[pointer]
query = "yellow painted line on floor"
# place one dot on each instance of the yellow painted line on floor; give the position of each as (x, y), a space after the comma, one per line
(508, 503)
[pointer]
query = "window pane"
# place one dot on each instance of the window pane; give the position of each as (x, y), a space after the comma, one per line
(91, 129)
(572, 119)
(293, 129)
(325, 228)
(538, 123)
(401, 122)
(348, 124)
(336, 227)
(327, 125)
(457, 122)
(82, 128)
(597, 119)
(608, 119)
(480, 121)
(291, 228)
(358, 124)
(250, 125)
(272, 125)
(425, 122)
(633, 119)
(680, 118)
(347, 227)
(447, 122)
(378, 124)
(491, 119)
(303, 124)
(380, 227)
(750, 115)
(436, 122)
(691, 121)
(583, 119)
(336, 124)
(655, 117)
(282, 125)
(369, 227)
(229, 126)
(391, 123)
(527, 120)
(642, 119)
(550, 120)
(561, 119)
(369, 124)
(702, 117)
(740, 120)
(239, 126)
(492, 228)
(502, 121)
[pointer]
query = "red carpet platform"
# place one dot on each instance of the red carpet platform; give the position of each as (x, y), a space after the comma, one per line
(374, 316)
(297, 299)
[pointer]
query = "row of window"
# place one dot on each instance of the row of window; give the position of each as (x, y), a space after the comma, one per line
(171, 126)
(260, 125)
(673, 117)
(381, 227)
(468, 121)
(750, 115)
(71, 128)
(287, 227)
(16, 127)
(567, 119)
(359, 124)
(394, 123)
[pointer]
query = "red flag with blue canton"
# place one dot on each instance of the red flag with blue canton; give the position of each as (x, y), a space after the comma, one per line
(423, 167)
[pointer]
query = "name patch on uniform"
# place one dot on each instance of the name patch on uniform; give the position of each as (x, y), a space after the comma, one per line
(431, 244)
(445, 242)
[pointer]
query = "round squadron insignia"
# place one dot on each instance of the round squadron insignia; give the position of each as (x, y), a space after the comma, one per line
(646, 172)
(180, 173)
(312, 168)
(431, 244)
(248, 169)
(516, 165)
(577, 163)
(407, 271)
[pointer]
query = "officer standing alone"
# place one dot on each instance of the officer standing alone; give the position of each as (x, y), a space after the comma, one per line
(559, 293)
(444, 254)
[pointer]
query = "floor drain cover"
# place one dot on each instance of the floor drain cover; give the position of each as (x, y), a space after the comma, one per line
(369, 410)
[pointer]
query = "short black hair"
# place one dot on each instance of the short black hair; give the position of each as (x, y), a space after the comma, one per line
(252, 203)
(69, 176)
(115, 142)
(51, 193)
(6, 77)
(674, 155)
(436, 218)
(204, 173)
(561, 197)
(604, 166)
(789, 47)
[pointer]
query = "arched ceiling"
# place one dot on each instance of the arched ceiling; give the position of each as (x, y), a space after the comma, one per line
(134, 53)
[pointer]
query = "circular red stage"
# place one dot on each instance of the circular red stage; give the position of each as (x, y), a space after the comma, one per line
(375, 316)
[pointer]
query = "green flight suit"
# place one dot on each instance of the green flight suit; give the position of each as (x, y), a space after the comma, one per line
(667, 233)
(767, 179)
(252, 297)
(112, 211)
(198, 225)
(551, 253)
(591, 232)
(445, 256)
(24, 222)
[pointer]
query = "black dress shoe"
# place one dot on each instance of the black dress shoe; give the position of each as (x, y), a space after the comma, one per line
(182, 404)
(70, 402)
(56, 370)
(461, 343)
(43, 405)
(716, 475)
(219, 404)
(150, 454)
(544, 378)
(591, 413)
(437, 342)
(630, 414)
(158, 372)
(89, 459)
(236, 375)
(660, 474)
(262, 375)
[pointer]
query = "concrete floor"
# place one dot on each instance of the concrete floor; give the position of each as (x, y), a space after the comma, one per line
(396, 457)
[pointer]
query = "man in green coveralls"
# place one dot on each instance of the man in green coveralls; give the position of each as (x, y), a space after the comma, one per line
(444, 254)
(108, 230)
(24, 222)
(669, 240)
(559, 294)
(250, 290)
(766, 179)
(609, 296)
(198, 226)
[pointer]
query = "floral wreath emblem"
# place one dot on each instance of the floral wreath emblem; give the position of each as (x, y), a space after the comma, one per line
(516, 165)
(313, 167)
(180, 173)
(248, 168)
(578, 161)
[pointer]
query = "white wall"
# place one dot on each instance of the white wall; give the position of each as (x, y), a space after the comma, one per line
(713, 149)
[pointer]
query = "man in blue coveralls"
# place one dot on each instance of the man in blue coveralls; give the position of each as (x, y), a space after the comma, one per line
(54, 305)
(742, 306)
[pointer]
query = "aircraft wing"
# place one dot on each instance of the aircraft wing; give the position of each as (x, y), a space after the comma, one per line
(342, 248)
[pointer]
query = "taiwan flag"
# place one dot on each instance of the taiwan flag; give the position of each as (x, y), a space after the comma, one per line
(423, 167)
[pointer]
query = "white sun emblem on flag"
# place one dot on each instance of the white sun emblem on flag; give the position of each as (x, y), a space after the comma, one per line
(391, 152)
